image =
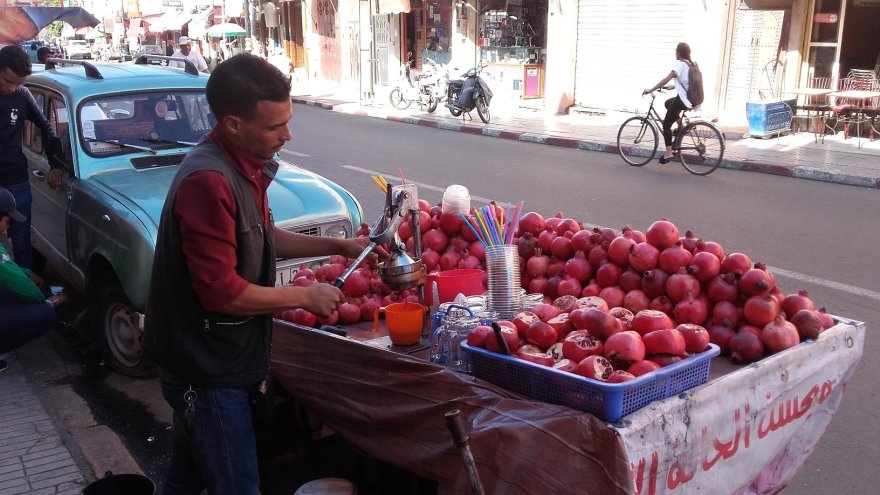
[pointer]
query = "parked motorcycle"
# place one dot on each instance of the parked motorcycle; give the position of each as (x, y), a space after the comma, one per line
(464, 95)
(438, 79)
(419, 89)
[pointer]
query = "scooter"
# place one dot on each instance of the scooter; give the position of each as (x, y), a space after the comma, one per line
(438, 77)
(411, 89)
(464, 95)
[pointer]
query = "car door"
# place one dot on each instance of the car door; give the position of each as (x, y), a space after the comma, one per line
(49, 223)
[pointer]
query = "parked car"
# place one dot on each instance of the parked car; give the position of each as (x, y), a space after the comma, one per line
(124, 129)
(150, 50)
(30, 47)
(77, 49)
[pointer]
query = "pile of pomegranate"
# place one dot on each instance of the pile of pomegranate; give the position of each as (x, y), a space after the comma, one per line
(616, 304)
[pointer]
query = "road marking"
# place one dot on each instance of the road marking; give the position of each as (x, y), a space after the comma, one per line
(830, 284)
(294, 153)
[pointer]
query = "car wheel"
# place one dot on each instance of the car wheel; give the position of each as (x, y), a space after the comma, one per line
(119, 336)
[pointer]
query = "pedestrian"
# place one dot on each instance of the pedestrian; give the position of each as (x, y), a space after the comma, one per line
(185, 50)
(24, 313)
(17, 105)
(678, 103)
(43, 54)
(212, 294)
(169, 48)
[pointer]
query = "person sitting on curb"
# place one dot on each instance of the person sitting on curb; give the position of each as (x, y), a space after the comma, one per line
(24, 313)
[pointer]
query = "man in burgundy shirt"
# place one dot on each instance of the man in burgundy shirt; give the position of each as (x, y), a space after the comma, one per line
(212, 291)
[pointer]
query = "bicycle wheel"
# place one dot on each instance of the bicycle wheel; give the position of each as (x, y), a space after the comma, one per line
(700, 148)
(637, 141)
(397, 100)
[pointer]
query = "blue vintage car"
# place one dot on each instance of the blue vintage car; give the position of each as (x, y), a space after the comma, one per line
(124, 129)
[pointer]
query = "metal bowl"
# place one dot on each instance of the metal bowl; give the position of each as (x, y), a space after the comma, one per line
(402, 277)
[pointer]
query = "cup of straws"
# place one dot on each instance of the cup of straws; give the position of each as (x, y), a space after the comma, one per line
(494, 226)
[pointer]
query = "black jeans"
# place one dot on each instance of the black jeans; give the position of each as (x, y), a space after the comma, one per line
(674, 107)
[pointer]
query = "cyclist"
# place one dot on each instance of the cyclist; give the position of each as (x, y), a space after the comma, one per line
(679, 102)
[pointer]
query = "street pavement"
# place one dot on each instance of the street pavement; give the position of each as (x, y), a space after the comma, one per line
(43, 451)
(852, 161)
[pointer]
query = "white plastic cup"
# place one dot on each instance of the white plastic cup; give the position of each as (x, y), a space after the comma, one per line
(456, 199)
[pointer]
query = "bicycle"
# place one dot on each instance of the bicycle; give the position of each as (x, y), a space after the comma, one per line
(699, 145)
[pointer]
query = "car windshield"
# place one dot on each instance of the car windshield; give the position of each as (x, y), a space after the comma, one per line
(126, 123)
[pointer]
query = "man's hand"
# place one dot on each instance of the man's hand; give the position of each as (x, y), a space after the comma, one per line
(54, 178)
(352, 248)
(323, 299)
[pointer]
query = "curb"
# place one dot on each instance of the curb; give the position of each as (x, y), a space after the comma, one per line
(798, 172)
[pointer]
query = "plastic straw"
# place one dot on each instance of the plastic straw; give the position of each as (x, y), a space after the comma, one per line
(468, 223)
(400, 172)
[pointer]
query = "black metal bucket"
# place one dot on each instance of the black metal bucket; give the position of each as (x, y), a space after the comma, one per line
(121, 484)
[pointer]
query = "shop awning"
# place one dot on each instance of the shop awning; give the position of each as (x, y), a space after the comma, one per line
(393, 6)
(198, 24)
(172, 20)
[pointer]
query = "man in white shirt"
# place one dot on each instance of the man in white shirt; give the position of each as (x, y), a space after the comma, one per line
(184, 50)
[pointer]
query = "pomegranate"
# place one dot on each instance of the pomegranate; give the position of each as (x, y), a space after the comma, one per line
(612, 295)
(534, 355)
(600, 325)
(565, 304)
(674, 258)
(526, 244)
(435, 240)
(430, 258)
(545, 311)
(665, 359)
(688, 241)
(624, 348)
(349, 313)
(561, 247)
(608, 274)
(636, 300)
(531, 222)
(595, 368)
(648, 320)
(568, 225)
(793, 303)
(537, 265)
(449, 259)
(305, 318)
(582, 241)
(510, 337)
(592, 302)
(451, 223)
(568, 286)
(578, 267)
(523, 320)
(736, 263)
(579, 344)
(592, 289)
(630, 280)
(555, 351)
(620, 376)
(643, 367)
(779, 335)
(619, 249)
(538, 285)
(710, 247)
(723, 288)
(754, 282)
(720, 335)
(727, 313)
(624, 318)
(562, 325)
(662, 234)
(681, 284)
(690, 310)
(654, 283)
(545, 240)
(566, 365)
(827, 320)
(597, 254)
(808, 324)
(696, 338)
(745, 347)
(668, 341)
(643, 256)
(662, 304)
(760, 310)
(477, 336)
(541, 334)
(705, 266)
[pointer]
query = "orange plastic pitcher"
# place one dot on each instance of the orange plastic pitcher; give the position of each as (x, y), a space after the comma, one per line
(404, 320)
(467, 281)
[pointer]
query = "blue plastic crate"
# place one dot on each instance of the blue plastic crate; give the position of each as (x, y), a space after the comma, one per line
(607, 401)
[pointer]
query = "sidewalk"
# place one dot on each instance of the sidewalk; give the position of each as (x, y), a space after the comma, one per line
(836, 160)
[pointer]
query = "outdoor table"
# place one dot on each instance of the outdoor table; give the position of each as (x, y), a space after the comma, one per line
(862, 96)
(753, 425)
(819, 125)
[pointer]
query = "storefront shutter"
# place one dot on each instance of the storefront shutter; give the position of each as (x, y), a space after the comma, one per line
(625, 46)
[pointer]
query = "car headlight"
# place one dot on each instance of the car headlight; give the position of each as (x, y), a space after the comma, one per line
(337, 231)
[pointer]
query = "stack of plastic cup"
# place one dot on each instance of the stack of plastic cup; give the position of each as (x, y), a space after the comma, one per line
(505, 294)
(456, 199)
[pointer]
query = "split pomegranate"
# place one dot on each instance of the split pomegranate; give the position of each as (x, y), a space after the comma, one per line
(592, 302)
(600, 325)
(595, 368)
(510, 337)
(620, 376)
(566, 365)
(534, 355)
(523, 320)
(643, 367)
(650, 320)
(579, 344)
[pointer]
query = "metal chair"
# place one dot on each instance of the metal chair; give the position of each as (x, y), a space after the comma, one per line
(816, 107)
(872, 110)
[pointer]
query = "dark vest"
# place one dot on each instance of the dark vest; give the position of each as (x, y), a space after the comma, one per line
(190, 344)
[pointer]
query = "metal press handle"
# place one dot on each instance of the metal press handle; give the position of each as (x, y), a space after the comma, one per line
(339, 282)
